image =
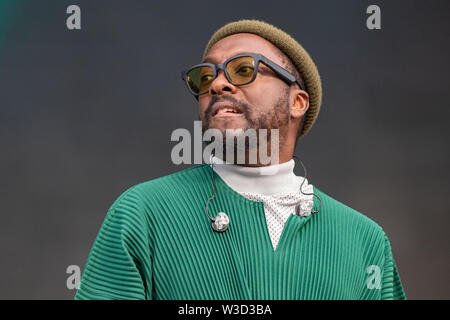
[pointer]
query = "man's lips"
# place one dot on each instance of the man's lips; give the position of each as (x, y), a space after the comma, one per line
(227, 115)
(225, 109)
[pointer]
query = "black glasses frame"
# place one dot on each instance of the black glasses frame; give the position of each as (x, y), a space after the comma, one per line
(282, 73)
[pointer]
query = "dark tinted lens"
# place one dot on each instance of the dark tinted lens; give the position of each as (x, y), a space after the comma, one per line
(241, 70)
(199, 79)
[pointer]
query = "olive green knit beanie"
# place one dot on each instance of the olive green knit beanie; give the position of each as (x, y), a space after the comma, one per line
(292, 49)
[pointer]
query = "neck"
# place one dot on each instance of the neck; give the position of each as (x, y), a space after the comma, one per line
(247, 161)
(266, 180)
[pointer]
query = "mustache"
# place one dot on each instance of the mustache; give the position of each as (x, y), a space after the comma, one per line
(244, 106)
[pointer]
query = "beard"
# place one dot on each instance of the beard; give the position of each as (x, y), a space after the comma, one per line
(277, 117)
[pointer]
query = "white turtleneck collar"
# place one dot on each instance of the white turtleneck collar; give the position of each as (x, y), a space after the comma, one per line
(268, 180)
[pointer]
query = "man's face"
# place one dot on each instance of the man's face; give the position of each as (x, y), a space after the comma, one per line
(264, 102)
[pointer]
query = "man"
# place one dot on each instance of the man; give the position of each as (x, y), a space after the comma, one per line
(229, 230)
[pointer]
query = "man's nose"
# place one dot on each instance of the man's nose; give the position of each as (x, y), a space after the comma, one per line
(221, 85)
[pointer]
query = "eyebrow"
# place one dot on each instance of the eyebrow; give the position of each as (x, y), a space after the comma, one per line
(211, 60)
(208, 60)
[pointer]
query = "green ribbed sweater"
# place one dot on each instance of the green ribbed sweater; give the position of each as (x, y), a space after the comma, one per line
(156, 242)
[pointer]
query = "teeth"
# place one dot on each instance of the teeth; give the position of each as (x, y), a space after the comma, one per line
(226, 110)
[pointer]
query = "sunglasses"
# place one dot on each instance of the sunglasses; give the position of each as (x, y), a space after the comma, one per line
(239, 70)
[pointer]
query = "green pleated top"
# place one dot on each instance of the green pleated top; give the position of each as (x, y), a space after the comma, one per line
(156, 242)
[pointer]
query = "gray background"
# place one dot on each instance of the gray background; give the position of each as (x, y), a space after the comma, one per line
(86, 114)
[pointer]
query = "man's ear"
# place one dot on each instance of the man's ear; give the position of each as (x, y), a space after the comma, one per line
(299, 104)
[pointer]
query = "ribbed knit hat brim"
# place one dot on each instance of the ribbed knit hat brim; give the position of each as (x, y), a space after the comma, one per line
(292, 49)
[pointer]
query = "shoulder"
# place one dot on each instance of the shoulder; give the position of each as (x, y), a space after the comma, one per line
(183, 179)
(166, 188)
(347, 219)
